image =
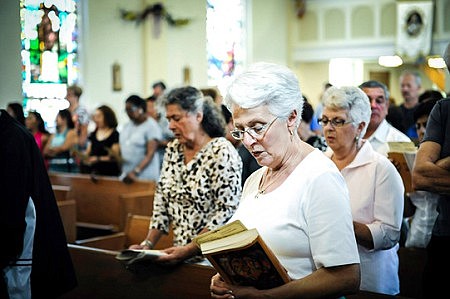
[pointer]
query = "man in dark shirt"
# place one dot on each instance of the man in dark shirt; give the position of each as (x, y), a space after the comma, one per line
(431, 172)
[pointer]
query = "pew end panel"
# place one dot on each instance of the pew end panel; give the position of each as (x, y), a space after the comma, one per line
(68, 212)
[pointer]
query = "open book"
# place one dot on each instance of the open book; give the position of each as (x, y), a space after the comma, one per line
(403, 154)
(242, 257)
(131, 256)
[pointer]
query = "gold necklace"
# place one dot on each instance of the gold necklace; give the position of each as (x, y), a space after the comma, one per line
(263, 181)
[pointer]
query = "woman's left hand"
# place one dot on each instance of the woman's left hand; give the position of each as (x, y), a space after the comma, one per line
(220, 289)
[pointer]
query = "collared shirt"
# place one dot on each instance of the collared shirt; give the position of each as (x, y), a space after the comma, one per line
(376, 198)
(383, 134)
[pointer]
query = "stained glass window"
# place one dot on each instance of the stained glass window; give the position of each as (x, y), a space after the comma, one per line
(49, 53)
(225, 32)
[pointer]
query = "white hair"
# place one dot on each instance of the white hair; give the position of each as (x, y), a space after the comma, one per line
(267, 84)
(353, 100)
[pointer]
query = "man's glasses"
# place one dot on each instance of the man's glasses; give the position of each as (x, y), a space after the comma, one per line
(256, 132)
(335, 122)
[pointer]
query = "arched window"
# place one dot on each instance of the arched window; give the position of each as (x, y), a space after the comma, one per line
(225, 31)
(49, 54)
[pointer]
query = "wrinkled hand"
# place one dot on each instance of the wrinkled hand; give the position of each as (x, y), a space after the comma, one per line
(220, 289)
(175, 255)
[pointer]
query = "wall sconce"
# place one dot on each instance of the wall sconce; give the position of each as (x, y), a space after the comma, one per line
(116, 77)
(390, 61)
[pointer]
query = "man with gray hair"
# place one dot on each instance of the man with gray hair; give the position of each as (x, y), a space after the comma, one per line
(431, 173)
(410, 85)
(380, 132)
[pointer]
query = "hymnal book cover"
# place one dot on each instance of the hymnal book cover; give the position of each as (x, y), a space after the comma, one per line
(403, 154)
(242, 257)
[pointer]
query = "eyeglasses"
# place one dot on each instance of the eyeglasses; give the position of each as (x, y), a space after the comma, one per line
(335, 122)
(418, 125)
(256, 132)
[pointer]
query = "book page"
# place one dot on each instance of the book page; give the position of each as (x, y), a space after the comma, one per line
(239, 240)
(402, 147)
(221, 232)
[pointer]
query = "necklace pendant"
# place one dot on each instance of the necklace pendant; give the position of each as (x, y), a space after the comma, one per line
(259, 193)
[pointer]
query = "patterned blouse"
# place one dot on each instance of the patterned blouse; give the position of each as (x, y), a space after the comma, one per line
(203, 193)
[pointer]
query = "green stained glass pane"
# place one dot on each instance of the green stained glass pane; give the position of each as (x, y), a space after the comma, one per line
(35, 57)
(62, 66)
(34, 44)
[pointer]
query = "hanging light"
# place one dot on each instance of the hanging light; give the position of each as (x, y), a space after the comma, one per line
(436, 62)
(390, 61)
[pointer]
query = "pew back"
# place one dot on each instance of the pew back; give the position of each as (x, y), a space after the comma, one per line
(106, 201)
(135, 231)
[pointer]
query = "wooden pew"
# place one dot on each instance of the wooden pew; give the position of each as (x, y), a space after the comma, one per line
(100, 275)
(104, 202)
(135, 231)
(60, 192)
(68, 212)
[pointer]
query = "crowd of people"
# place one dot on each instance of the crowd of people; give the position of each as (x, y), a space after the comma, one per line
(258, 156)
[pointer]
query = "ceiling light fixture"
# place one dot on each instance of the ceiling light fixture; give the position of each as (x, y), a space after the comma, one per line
(390, 61)
(436, 62)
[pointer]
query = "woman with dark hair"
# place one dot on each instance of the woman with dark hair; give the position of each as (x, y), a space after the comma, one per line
(61, 143)
(139, 141)
(35, 124)
(102, 155)
(16, 111)
(200, 181)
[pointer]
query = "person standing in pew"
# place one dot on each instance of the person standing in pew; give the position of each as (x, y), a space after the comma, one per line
(34, 258)
(102, 156)
(298, 201)
(138, 142)
(200, 181)
(431, 173)
(375, 186)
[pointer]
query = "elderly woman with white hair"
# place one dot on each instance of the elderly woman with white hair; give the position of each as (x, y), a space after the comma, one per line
(298, 201)
(376, 188)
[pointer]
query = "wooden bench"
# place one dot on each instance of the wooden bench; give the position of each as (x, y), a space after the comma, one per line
(67, 210)
(104, 202)
(100, 275)
(135, 231)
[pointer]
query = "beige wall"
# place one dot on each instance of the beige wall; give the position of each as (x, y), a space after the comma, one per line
(273, 34)
(10, 61)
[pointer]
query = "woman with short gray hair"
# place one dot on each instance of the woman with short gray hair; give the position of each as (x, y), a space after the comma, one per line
(375, 186)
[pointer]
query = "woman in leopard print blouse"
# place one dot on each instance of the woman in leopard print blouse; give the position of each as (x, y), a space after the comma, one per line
(200, 183)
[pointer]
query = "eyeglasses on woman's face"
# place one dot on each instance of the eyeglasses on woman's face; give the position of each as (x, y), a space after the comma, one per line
(334, 122)
(257, 132)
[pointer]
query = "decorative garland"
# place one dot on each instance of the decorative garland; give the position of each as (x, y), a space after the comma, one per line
(158, 11)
